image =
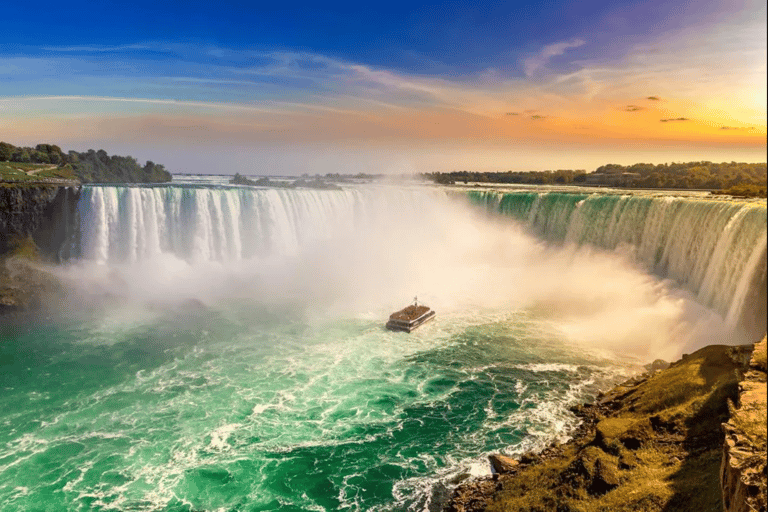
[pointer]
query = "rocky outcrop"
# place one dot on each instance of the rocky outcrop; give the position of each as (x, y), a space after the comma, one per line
(46, 213)
(743, 469)
(653, 443)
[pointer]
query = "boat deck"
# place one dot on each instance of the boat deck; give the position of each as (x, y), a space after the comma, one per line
(409, 318)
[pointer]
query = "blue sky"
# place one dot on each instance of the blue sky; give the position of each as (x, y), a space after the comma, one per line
(490, 82)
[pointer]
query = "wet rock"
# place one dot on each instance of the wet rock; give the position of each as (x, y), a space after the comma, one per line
(459, 478)
(472, 496)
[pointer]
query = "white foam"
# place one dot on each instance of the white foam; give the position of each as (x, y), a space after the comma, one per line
(548, 367)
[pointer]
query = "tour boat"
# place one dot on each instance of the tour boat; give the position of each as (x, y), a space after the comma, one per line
(410, 317)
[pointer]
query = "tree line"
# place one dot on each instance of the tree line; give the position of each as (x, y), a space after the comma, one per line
(90, 166)
(560, 177)
(737, 178)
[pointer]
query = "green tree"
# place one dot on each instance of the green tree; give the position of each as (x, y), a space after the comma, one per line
(6, 151)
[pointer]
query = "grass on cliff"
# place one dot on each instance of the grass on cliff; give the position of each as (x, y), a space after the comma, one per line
(20, 172)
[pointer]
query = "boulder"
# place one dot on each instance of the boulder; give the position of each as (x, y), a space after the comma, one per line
(593, 470)
(658, 364)
(628, 460)
(632, 434)
(605, 477)
(503, 464)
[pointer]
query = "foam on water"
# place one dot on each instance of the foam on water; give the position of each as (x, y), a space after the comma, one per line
(350, 418)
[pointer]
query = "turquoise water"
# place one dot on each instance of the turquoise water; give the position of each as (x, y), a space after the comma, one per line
(248, 407)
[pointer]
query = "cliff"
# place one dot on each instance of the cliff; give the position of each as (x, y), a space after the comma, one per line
(654, 443)
(743, 469)
(37, 222)
(47, 213)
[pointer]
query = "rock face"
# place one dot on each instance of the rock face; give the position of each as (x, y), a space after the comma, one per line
(743, 468)
(47, 213)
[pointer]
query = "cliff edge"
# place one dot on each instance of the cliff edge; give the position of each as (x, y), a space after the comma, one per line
(654, 443)
(743, 469)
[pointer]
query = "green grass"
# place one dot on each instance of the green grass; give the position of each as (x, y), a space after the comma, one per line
(17, 172)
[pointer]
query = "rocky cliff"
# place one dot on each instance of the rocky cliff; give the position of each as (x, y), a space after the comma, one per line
(46, 213)
(654, 443)
(743, 469)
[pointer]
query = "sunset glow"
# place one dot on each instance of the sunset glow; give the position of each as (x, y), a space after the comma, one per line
(621, 82)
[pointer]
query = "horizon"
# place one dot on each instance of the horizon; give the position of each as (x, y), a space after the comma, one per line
(395, 89)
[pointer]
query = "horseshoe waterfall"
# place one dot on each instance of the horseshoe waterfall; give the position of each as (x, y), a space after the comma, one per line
(220, 347)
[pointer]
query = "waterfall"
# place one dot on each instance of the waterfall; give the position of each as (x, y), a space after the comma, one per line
(124, 224)
(716, 248)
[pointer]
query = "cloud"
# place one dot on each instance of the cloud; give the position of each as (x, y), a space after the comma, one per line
(537, 116)
(632, 108)
(96, 49)
(532, 64)
(653, 98)
(674, 119)
(513, 113)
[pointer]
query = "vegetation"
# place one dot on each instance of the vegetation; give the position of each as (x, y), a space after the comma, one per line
(49, 161)
(561, 177)
(739, 179)
(242, 180)
(318, 183)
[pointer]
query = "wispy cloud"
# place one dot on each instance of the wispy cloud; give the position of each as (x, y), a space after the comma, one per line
(533, 64)
(96, 49)
(300, 96)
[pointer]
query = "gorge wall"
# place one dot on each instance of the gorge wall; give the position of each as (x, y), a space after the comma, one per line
(47, 213)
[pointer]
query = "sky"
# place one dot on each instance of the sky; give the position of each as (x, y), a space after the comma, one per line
(394, 87)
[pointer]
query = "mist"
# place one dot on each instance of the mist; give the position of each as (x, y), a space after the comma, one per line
(417, 242)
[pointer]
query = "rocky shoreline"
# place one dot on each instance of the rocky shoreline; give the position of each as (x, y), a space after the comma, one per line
(654, 443)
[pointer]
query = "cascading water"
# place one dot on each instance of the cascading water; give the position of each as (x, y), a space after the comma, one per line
(223, 348)
(715, 248)
(228, 223)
